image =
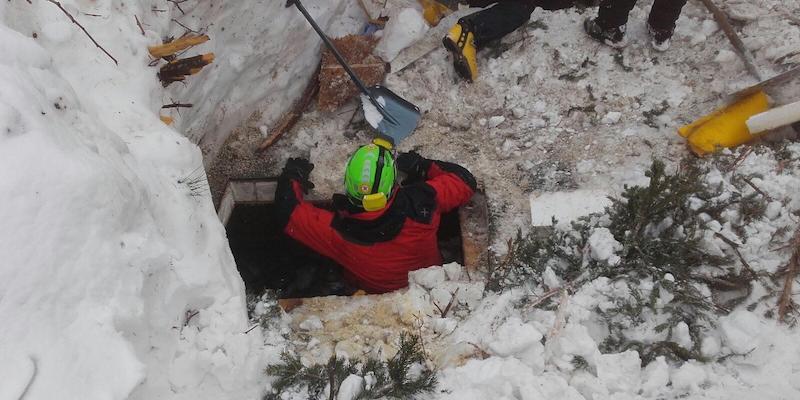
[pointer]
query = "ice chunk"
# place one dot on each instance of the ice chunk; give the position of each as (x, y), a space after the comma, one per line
(656, 377)
(428, 278)
(453, 271)
(351, 388)
(740, 330)
(612, 118)
(603, 246)
(512, 337)
(495, 121)
(312, 323)
(621, 372)
(403, 29)
(689, 376)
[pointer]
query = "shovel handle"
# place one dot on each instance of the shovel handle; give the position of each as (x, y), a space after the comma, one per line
(331, 47)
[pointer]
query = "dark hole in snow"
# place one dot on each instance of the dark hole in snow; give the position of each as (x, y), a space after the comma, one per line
(268, 259)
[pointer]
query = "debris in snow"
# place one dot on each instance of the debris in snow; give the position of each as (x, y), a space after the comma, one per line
(371, 113)
(403, 29)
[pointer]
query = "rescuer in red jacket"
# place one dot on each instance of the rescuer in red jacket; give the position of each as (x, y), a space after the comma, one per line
(378, 231)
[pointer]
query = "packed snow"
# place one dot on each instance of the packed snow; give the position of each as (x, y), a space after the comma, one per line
(117, 281)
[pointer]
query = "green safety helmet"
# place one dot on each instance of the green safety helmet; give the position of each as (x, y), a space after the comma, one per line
(369, 176)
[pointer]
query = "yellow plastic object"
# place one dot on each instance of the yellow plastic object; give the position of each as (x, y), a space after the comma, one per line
(433, 11)
(374, 202)
(725, 127)
(383, 142)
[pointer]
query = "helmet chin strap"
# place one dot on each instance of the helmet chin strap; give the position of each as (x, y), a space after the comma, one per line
(378, 170)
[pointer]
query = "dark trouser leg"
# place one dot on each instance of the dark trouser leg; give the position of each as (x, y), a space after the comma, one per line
(664, 14)
(614, 13)
(499, 20)
(555, 4)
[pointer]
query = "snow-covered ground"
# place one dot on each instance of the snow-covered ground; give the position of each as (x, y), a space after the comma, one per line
(116, 281)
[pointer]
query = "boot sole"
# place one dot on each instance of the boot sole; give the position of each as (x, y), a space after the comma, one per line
(460, 63)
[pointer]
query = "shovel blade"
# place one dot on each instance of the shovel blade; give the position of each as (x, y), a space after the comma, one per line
(400, 117)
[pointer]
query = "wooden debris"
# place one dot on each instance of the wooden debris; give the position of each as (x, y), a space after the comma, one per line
(290, 119)
(335, 86)
(178, 70)
(166, 119)
(724, 23)
(177, 105)
(785, 302)
(170, 48)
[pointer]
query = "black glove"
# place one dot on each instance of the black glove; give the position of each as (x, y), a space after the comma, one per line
(299, 169)
(413, 165)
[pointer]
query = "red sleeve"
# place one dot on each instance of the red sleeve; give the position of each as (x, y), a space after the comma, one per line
(311, 226)
(451, 190)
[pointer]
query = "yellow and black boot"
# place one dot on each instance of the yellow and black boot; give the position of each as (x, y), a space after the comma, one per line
(460, 41)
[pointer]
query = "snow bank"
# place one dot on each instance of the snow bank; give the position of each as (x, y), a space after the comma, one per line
(265, 56)
(116, 281)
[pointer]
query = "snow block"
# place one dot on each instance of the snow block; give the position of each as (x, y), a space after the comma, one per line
(621, 372)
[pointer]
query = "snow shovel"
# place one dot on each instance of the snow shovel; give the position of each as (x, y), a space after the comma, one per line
(398, 117)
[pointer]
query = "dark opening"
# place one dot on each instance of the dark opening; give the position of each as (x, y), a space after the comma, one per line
(268, 259)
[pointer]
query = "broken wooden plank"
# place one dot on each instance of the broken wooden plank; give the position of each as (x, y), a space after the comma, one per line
(724, 23)
(178, 70)
(170, 48)
(475, 240)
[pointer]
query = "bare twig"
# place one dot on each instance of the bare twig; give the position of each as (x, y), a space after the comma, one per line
(91, 15)
(724, 23)
(177, 3)
(189, 315)
(735, 248)
(560, 314)
(785, 302)
(177, 105)
(33, 375)
(419, 324)
(756, 188)
(57, 4)
(741, 158)
(250, 329)
(450, 304)
(184, 26)
(139, 24)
